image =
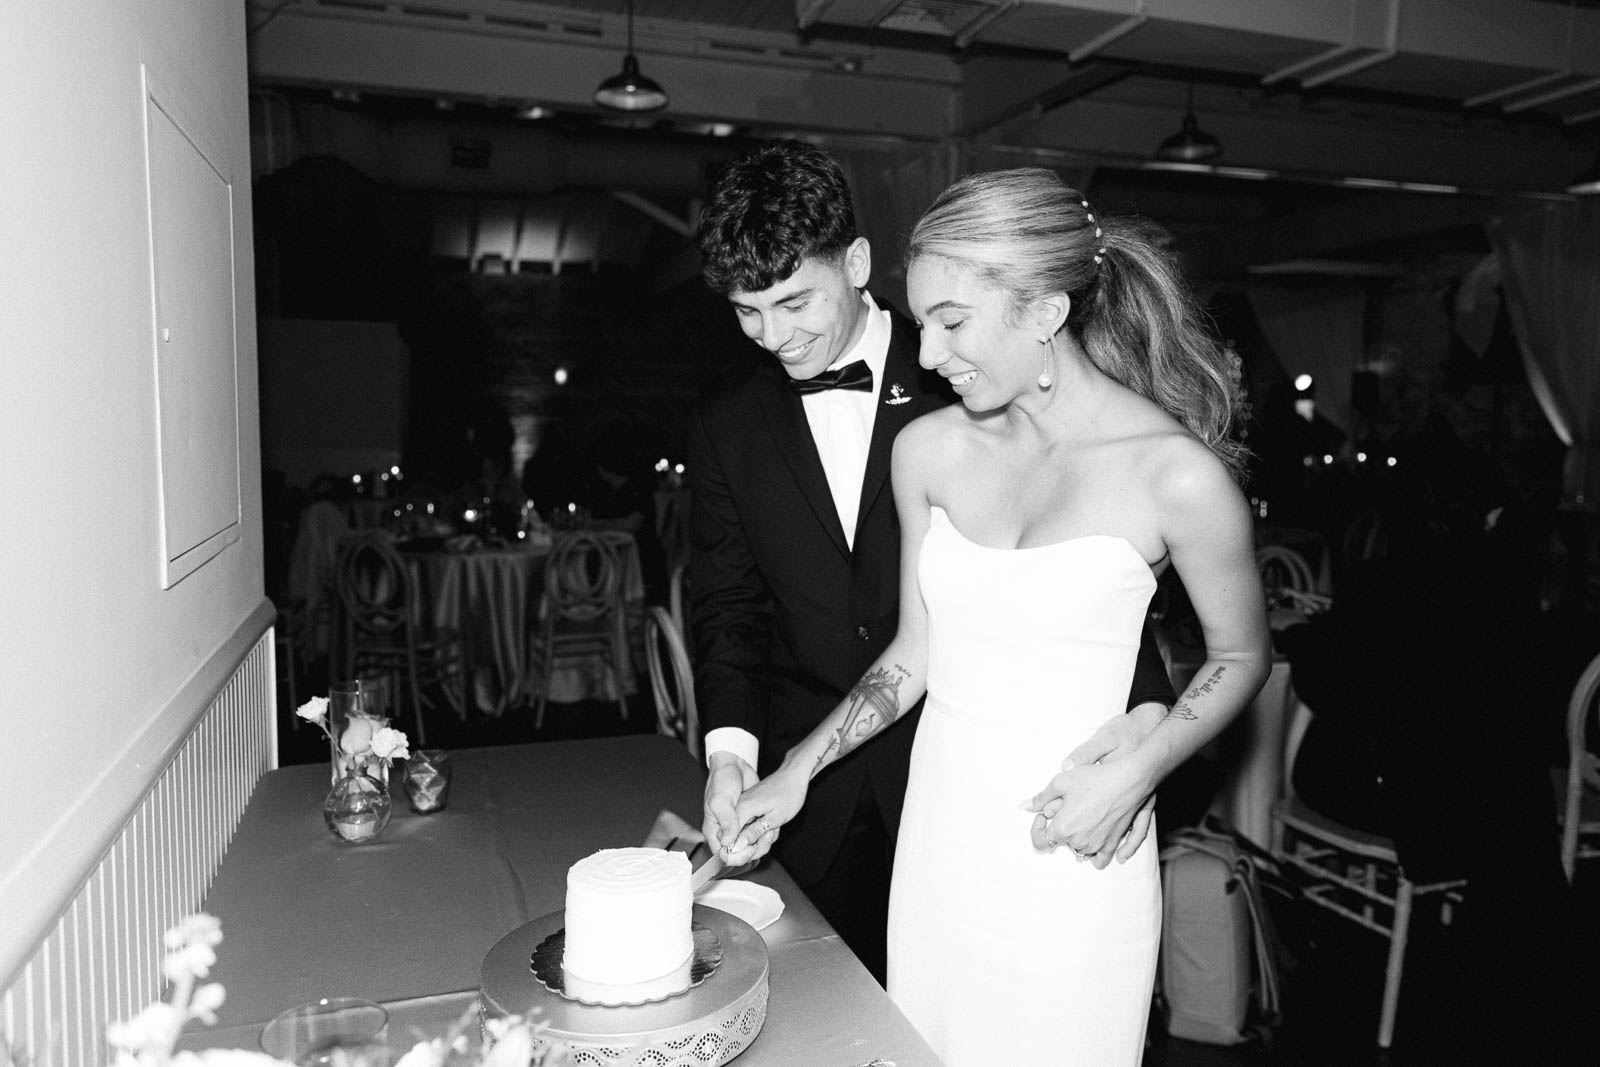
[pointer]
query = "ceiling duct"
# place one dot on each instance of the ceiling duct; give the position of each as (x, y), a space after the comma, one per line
(939, 18)
(1512, 56)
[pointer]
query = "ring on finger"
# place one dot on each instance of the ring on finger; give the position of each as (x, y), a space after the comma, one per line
(765, 829)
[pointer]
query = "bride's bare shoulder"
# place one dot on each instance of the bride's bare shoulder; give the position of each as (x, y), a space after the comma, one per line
(938, 433)
(943, 427)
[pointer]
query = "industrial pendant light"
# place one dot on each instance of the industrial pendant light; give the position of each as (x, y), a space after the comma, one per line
(1190, 144)
(630, 90)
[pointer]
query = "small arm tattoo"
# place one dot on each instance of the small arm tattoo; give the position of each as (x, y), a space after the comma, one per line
(1182, 710)
(873, 703)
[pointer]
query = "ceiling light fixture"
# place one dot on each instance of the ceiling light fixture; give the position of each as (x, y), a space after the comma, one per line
(1587, 181)
(1190, 144)
(630, 90)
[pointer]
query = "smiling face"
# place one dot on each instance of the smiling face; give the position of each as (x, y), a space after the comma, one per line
(970, 336)
(812, 317)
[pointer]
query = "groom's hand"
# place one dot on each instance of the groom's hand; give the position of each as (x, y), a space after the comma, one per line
(1117, 837)
(729, 777)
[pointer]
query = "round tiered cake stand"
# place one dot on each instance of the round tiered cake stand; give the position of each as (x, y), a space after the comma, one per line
(707, 1024)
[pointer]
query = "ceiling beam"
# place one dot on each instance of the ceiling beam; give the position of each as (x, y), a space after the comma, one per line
(1325, 231)
(780, 80)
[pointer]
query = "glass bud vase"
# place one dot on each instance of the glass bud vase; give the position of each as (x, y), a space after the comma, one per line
(357, 807)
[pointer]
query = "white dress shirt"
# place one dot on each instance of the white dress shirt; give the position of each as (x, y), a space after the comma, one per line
(841, 426)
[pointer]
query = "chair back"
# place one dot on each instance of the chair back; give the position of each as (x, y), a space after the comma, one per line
(1294, 732)
(1284, 568)
(675, 603)
(582, 579)
(373, 585)
(1583, 765)
(1365, 537)
(671, 680)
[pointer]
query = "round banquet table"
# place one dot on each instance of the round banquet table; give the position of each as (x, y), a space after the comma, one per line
(492, 596)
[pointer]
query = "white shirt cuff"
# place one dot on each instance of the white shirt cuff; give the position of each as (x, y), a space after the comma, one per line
(741, 743)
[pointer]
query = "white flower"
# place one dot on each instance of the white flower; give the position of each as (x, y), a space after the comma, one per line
(205, 1002)
(189, 962)
(197, 928)
(153, 1031)
(389, 743)
(225, 1057)
(513, 1048)
(357, 737)
(314, 710)
(424, 1054)
(149, 1038)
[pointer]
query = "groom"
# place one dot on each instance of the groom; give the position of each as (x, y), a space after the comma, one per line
(794, 580)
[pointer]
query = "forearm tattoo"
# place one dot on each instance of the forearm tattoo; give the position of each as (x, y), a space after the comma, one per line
(872, 704)
(1182, 710)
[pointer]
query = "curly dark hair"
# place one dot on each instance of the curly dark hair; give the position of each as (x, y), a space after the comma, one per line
(770, 209)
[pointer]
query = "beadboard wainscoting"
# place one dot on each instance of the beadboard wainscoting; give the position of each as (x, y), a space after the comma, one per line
(101, 959)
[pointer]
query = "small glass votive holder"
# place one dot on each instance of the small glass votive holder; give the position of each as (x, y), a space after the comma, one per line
(427, 778)
(331, 1032)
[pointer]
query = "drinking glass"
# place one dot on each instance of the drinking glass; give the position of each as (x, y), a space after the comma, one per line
(331, 1032)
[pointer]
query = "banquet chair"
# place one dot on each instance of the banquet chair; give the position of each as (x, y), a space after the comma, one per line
(675, 603)
(1578, 785)
(288, 638)
(1284, 568)
(1352, 873)
(312, 559)
(671, 680)
(1366, 537)
(382, 629)
(583, 612)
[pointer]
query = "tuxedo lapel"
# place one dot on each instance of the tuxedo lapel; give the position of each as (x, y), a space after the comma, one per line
(791, 435)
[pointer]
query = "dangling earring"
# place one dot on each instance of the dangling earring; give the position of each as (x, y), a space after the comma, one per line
(1045, 380)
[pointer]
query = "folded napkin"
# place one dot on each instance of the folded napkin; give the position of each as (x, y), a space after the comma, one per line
(673, 833)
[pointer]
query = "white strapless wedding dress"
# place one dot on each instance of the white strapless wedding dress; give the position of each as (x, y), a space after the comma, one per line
(1001, 955)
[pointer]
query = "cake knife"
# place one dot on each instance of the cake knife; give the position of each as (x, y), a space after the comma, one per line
(704, 873)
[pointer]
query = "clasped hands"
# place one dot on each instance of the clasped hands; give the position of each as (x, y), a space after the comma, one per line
(743, 812)
(1097, 805)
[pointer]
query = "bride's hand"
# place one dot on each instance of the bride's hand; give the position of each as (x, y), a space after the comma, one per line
(1117, 737)
(1099, 810)
(764, 808)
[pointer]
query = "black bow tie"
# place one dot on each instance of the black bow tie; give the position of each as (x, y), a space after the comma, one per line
(855, 375)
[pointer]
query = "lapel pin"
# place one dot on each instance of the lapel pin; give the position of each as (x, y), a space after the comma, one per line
(895, 395)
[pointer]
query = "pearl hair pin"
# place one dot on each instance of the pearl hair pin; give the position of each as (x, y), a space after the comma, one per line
(1099, 253)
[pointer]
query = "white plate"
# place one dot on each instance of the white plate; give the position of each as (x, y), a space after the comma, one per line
(755, 904)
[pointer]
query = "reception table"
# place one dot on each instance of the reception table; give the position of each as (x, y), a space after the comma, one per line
(407, 919)
(491, 596)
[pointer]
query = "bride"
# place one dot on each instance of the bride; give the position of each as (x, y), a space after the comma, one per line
(1089, 454)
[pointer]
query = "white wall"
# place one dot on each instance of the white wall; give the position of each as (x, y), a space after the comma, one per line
(93, 650)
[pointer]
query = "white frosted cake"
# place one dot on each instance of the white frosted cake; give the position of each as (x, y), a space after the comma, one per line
(628, 920)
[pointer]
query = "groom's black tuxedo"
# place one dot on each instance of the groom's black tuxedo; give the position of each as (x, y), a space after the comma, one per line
(786, 616)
